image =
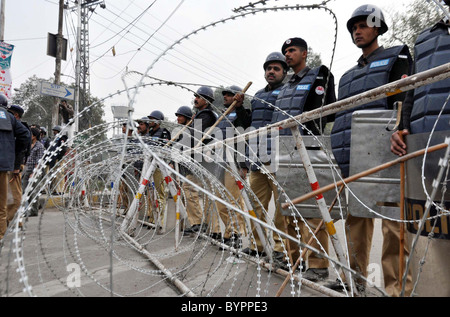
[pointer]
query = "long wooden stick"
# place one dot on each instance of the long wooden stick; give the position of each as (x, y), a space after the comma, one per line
(319, 226)
(365, 173)
(402, 213)
(228, 111)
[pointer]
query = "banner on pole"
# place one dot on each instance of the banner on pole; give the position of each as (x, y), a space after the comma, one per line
(6, 51)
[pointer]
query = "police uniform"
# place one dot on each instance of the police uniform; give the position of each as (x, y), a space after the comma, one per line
(15, 185)
(432, 49)
(377, 69)
(260, 183)
(304, 92)
(159, 136)
(233, 221)
(204, 119)
(15, 139)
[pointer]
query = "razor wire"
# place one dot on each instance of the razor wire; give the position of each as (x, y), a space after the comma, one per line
(80, 228)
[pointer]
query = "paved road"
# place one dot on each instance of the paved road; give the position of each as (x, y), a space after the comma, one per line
(67, 254)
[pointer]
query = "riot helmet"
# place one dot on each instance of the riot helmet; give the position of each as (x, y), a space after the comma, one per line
(156, 114)
(374, 16)
(276, 57)
(184, 111)
(232, 90)
(206, 92)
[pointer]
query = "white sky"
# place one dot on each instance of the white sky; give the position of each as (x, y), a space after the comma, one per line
(227, 54)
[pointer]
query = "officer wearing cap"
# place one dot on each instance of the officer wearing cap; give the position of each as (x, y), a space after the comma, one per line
(376, 67)
(262, 107)
(308, 89)
(15, 139)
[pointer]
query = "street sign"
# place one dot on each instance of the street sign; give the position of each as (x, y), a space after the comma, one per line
(50, 89)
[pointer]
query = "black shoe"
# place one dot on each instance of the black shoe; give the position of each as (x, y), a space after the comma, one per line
(191, 230)
(216, 236)
(252, 252)
(316, 275)
(279, 260)
(338, 286)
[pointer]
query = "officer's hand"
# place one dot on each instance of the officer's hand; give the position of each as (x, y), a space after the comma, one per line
(398, 147)
(239, 98)
(15, 174)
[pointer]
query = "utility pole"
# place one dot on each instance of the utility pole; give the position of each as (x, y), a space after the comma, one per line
(2, 21)
(59, 49)
(78, 69)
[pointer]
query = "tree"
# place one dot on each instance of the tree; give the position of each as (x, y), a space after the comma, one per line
(314, 59)
(38, 107)
(408, 24)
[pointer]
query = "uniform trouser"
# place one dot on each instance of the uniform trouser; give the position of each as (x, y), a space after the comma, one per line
(359, 238)
(315, 261)
(192, 199)
(195, 212)
(3, 203)
(124, 192)
(263, 187)
(15, 185)
(160, 200)
(234, 222)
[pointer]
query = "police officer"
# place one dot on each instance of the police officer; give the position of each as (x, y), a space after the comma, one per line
(233, 124)
(308, 89)
(143, 126)
(204, 118)
(376, 67)
(158, 133)
(15, 139)
(15, 184)
(158, 136)
(275, 71)
(418, 115)
(184, 115)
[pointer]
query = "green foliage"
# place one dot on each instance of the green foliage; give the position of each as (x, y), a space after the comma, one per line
(38, 108)
(409, 23)
(314, 59)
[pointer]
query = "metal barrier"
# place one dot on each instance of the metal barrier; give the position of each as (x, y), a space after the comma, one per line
(291, 174)
(370, 147)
